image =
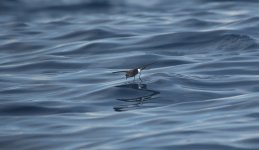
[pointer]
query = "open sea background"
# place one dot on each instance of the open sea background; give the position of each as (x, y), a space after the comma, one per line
(57, 89)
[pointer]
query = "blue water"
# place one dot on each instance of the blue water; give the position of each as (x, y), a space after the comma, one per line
(57, 89)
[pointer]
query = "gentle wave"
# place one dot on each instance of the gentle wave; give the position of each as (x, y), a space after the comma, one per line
(58, 89)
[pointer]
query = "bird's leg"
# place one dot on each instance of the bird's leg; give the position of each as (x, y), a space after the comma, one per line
(139, 76)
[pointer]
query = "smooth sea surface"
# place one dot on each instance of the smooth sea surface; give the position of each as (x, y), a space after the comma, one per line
(58, 90)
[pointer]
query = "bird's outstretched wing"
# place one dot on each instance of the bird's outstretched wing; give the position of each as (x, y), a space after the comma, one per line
(119, 71)
(143, 67)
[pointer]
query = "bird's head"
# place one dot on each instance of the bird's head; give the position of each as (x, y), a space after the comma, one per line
(127, 76)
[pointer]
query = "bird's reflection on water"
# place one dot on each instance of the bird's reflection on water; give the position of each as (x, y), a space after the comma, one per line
(136, 102)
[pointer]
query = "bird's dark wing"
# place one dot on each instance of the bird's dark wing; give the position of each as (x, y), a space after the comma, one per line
(143, 67)
(119, 71)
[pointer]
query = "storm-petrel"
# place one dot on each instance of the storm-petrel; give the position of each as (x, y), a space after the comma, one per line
(134, 72)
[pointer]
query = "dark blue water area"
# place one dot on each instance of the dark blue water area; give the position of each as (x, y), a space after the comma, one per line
(58, 89)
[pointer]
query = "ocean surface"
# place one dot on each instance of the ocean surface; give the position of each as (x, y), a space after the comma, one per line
(58, 90)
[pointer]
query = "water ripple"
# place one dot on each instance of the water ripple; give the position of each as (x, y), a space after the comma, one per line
(58, 89)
